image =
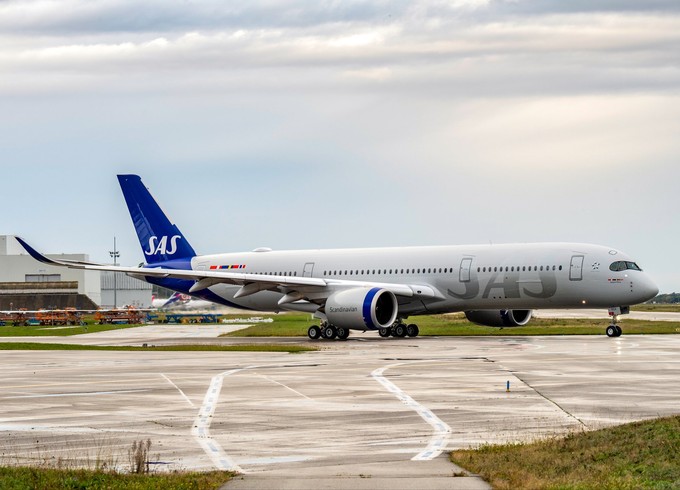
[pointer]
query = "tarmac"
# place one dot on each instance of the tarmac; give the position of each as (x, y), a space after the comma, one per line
(365, 413)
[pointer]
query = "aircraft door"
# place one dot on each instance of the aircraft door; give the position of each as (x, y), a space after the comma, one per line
(576, 268)
(308, 269)
(464, 274)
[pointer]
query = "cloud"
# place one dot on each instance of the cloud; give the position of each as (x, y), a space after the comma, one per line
(433, 46)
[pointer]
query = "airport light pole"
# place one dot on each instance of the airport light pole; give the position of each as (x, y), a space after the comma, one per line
(115, 254)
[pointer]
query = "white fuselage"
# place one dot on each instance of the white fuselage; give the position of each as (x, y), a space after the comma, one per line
(455, 278)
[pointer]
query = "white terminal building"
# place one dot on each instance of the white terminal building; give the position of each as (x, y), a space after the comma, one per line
(27, 283)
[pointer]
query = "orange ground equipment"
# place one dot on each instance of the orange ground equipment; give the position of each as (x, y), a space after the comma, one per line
(120, 316)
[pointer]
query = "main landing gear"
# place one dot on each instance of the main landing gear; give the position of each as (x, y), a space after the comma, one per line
(327, 331)
(400, 330)
(614, 330)
(330, 332)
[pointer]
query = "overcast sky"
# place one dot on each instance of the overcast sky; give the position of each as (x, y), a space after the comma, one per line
(308, 124)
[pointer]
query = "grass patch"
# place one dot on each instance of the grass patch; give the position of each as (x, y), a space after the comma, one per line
(296, 325)
(445, 325)
(292, 349)
(53, 479)
(42, 330)
(672, 308)
(638, 455)
(286, 325)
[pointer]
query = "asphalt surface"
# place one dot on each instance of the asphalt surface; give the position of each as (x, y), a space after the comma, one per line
(365, 413)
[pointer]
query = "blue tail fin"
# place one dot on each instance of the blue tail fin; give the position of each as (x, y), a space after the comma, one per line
(159, 238)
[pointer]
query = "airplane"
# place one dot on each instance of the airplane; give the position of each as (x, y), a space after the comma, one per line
(179, 301)
(160, 303)
(371, 289)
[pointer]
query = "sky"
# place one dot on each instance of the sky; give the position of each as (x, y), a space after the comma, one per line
(324, 124)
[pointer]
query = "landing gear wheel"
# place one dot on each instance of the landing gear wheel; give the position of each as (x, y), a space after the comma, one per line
(399, 330)
(412, 330)
(343, 333)
(385, 332)
(314, 332)
(613, 331)
(618, 331)
(329, 332)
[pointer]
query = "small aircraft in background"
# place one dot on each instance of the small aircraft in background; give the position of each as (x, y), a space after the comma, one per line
(180, 301)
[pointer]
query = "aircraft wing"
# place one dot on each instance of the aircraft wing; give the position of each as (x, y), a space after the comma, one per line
(250, 283)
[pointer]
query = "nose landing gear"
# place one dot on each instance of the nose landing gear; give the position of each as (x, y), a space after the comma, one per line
(614, 330)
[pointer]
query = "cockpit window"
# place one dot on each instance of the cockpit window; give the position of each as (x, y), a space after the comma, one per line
(622, 265)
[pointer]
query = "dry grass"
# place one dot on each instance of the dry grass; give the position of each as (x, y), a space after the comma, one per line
(97, 463)
(639, 455)
(138, 455)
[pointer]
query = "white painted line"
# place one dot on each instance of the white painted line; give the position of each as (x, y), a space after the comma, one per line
(287, 387)
(441, 430)
(201, 429)
(178, 389)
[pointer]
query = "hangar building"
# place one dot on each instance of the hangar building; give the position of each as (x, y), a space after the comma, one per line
(27, 283)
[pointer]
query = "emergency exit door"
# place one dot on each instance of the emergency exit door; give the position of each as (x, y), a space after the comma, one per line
(576, 268)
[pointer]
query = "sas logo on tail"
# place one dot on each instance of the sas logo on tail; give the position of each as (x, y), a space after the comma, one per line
(160, 247)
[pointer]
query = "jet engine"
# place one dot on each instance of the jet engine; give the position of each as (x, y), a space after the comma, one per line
(499, 318)
(362, 308)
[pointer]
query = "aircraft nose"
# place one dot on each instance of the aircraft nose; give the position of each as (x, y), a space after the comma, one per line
(648, 289)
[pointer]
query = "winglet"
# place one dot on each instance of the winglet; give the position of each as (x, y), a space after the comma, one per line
(35, 254)
(75, 264)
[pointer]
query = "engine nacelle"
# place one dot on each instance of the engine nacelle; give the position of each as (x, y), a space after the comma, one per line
(499, 318)
(362, 308)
